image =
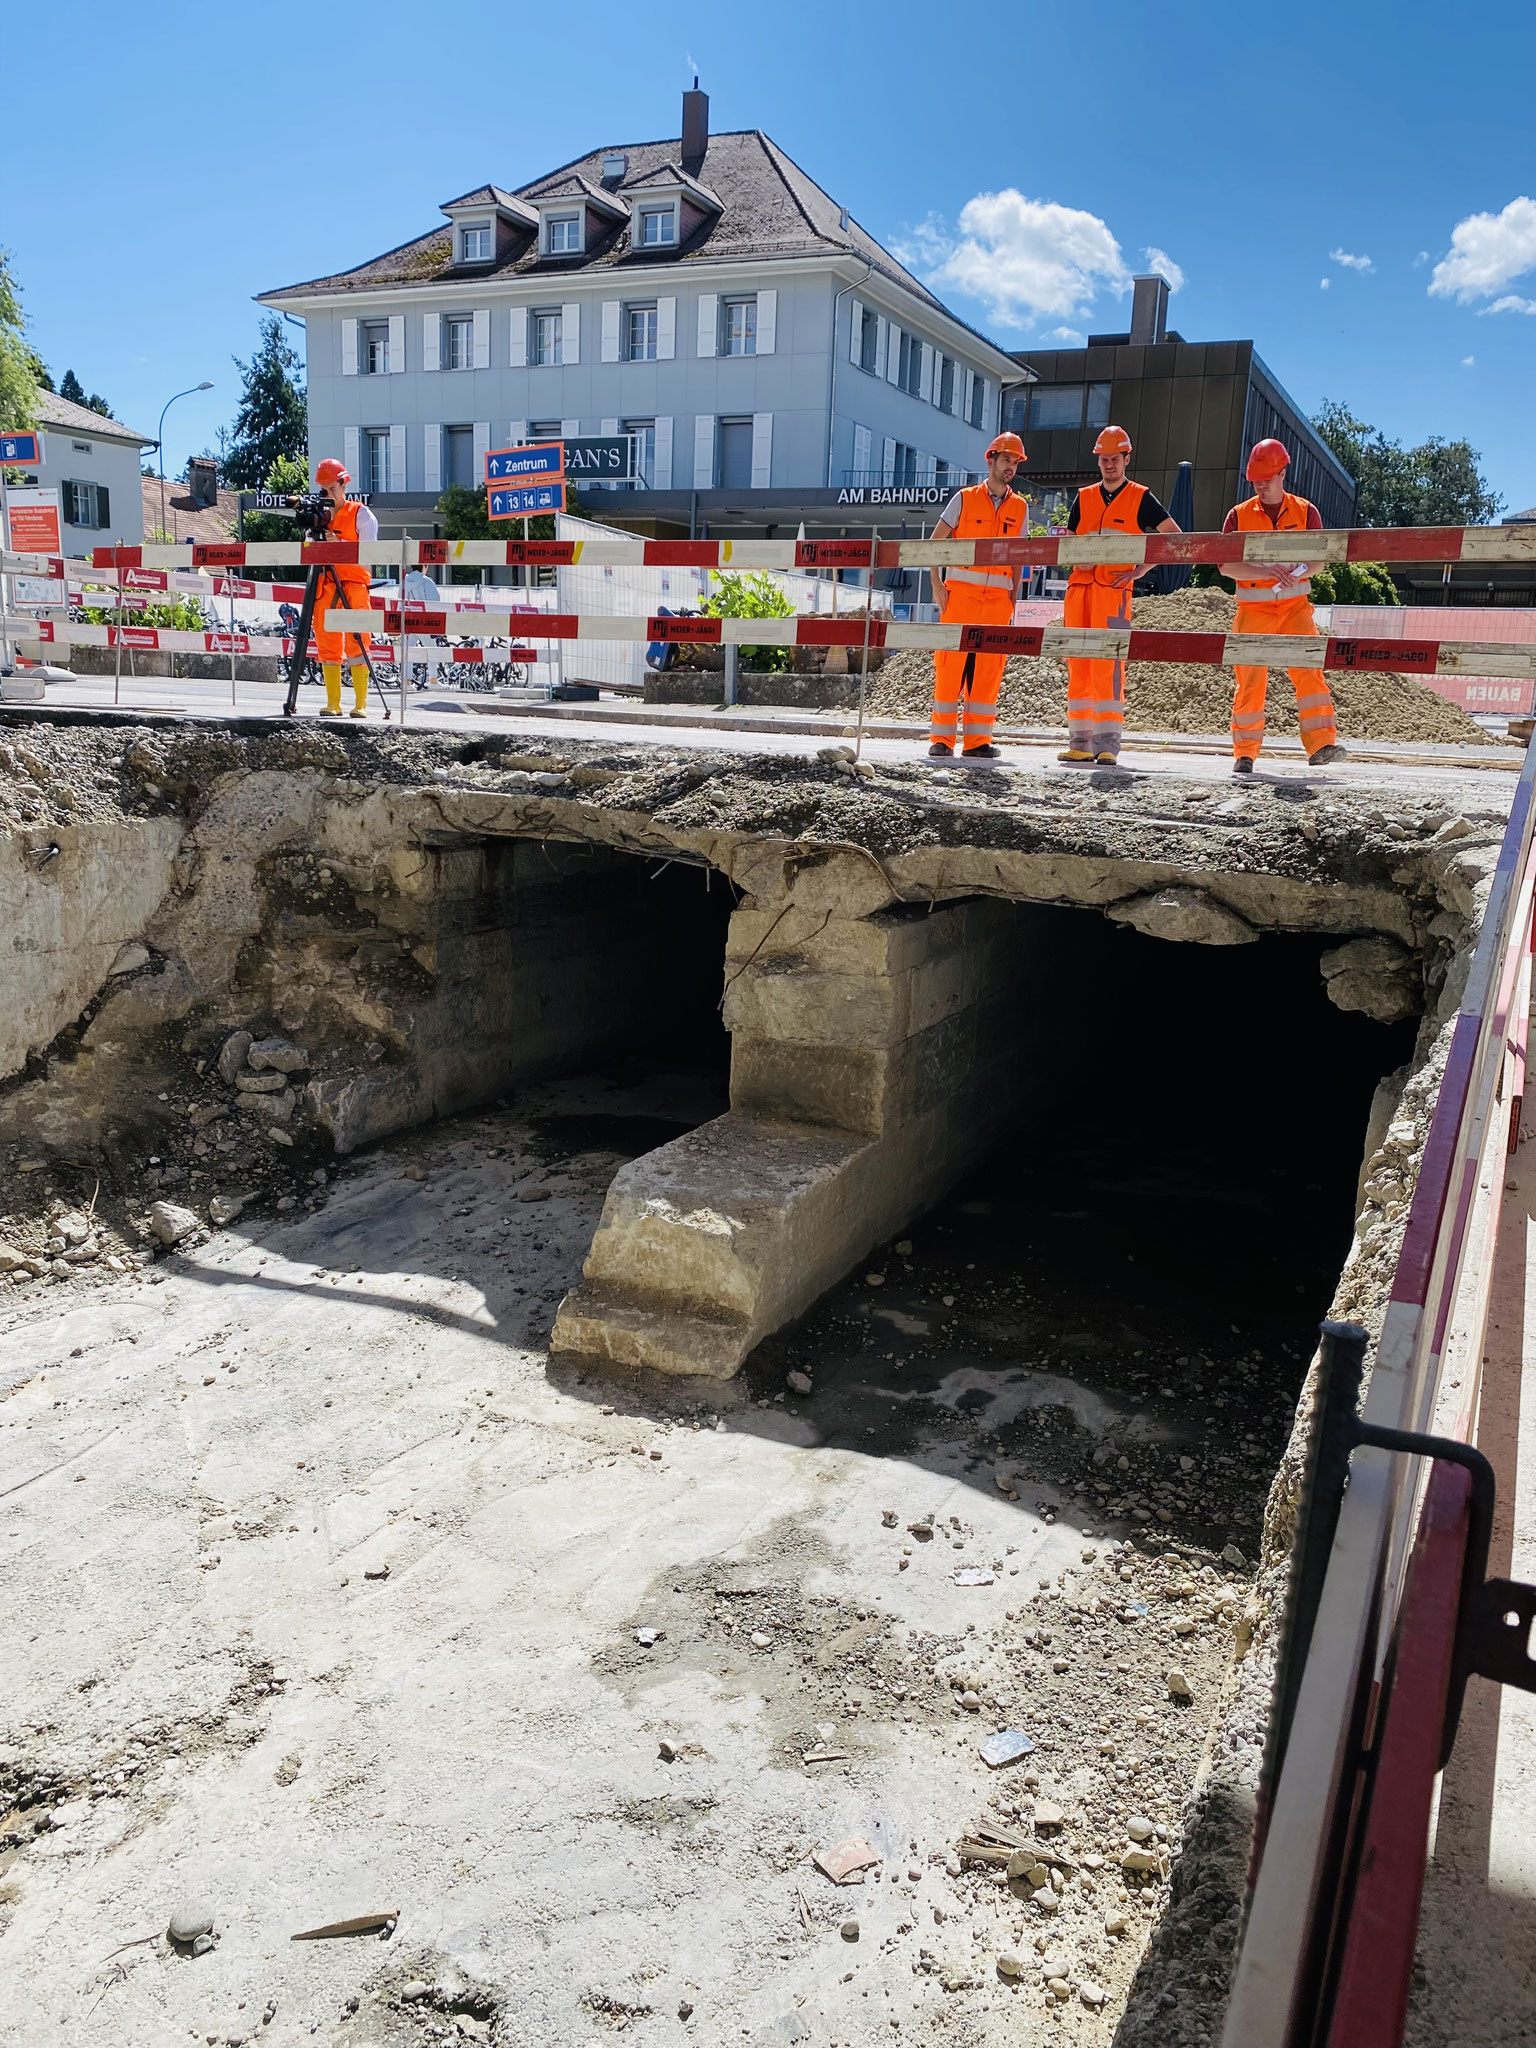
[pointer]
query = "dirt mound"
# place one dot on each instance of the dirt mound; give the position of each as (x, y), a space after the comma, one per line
(1189, 696)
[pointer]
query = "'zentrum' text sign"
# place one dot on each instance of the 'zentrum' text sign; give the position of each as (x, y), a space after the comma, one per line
(525, 480)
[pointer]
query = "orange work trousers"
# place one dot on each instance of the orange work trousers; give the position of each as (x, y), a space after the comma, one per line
(969, 709)
(1095, 689)
(346, 594)
(1314, 699)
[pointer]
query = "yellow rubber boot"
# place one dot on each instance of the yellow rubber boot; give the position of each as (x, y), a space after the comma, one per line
(359, 689)
(331, 671)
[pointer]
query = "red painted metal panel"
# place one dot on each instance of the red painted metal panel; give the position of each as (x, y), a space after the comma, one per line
(1371, 2003)
(844, 632)
(682, 554)
(1406, 544)
(1177, 646)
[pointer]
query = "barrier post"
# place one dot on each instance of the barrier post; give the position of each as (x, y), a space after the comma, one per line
(231, 582)
(402, 645)
(869, 599)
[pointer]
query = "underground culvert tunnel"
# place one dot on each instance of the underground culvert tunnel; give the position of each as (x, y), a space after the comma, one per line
(1115, 1305)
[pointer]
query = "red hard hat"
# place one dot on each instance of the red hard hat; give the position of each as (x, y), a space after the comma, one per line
(331, 472)
(1008, 444)
(1269, 458)
(1113, 441)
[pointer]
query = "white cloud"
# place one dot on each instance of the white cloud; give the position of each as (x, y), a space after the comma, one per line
(1069, 337)
(1510, 303)
(1343, 257)
(1468, 362)
(1323, 283)
(1487, 250)
(1022, 258)
(1160, 260)
(1421, 259)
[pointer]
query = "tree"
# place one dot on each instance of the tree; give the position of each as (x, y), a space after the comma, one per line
(751, 596)
(1354, 583)
(74, 391)
(1438, 483)
(273, 417)
(18, 363)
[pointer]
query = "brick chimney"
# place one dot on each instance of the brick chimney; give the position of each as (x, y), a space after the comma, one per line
(695, 127)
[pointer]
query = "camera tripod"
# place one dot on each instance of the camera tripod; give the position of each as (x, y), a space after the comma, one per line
(300, 656)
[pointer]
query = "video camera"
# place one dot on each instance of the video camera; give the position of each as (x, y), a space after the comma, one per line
(313, 512)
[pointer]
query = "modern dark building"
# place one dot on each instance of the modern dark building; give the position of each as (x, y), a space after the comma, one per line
(1204, 402)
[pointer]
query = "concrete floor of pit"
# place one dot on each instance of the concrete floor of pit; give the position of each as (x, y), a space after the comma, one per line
(205, 1474)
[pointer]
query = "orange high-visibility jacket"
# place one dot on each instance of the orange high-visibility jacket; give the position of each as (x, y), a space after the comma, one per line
(1120, 515)
(1252, 517)
(343, 526)
(981, 519)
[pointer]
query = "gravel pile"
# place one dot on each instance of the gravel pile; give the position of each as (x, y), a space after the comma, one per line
(1189, 696)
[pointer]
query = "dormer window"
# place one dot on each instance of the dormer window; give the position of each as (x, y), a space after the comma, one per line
(475, 242)
(658, 227)
(563, 234)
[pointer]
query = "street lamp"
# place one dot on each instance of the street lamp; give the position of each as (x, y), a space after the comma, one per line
(161, 440)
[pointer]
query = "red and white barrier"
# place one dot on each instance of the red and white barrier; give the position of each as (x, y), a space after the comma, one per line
(1223, 650)
(1480, 544)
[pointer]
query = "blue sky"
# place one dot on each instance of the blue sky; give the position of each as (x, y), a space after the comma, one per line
(1024, 158)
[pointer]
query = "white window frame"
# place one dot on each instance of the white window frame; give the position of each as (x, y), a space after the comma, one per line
(644, 433)
(373, 345)
(649, 350)
(376, 442)
(665, 215)
(477, 241)
(565, 245)
(460, 352)
(536, 320)
(745, 303)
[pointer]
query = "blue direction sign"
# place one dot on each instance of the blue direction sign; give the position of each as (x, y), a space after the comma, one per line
(21, 448)
(516, 501)
(535, 460)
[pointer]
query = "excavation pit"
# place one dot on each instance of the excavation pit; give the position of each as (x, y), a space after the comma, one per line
(331, 1581)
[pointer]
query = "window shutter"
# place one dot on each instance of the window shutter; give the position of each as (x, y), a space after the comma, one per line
(432, 458)
(431, 342)
(856, 334)
(887, 460)
(882, 342)
(569, 429)
(349, 348)
(925, 374)
(608, 426)
(517, 433)
(610, 330)
(663, 478)
(103, 506)
(762, 441)
(927, 469)
(666, 330)
(767, 321)
(893, 354)
(709, 325)
(861, 454)
(396, 344)
(349, 453)
(986, 400)
(482, 446)
(483, 338)
(517, 355)
(965, 409)
(570, 334)
(704, 450)
(397, 469)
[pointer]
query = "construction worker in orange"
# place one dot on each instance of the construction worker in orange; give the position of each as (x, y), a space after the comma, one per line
(344, 588)
(1100, 595)
(965, 685)
(1279, 601)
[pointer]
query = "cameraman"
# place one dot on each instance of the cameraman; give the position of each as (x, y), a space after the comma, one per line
(349, 521)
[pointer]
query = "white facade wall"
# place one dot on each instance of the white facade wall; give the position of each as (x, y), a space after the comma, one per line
(795, 395)
(89, 457)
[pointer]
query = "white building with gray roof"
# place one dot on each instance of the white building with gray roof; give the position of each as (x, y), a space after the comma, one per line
(772, 360)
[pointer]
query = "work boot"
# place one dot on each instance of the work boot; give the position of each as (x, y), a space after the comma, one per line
(357, 711)
(939, 751)
(326, 711)
(1243, 765)
(1076, 755)
(1107, 760)
(986, 753)
(1326, 756)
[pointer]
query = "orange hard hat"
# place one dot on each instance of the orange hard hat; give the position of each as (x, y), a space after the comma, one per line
(1113, 441)
(1008, 444)
(332, 472)
(1269, 458)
